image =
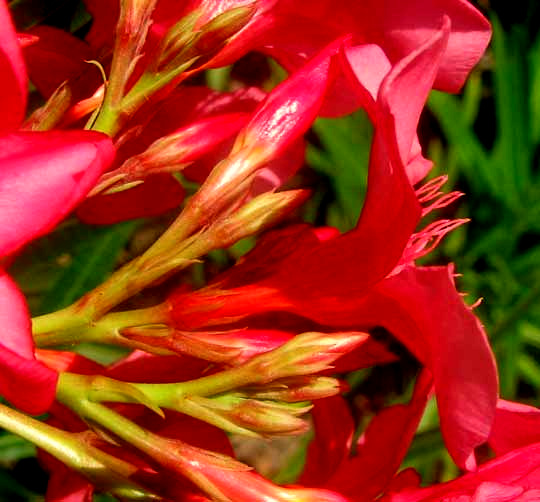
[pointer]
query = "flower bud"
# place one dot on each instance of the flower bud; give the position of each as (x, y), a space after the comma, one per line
(232, 347)
(259, 213)
(278, 122)
(265, 417)
(52, 112)
(215, 33)
(297, 389)
(187, 42)
(305, 354)
(175, 43)
(173, 152)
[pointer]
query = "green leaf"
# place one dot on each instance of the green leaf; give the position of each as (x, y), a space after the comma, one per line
(13, 448)
(510, 349)
(513, 152)
(94, 257)
(530, 369)
(473, 159)
(530, 334)
(472, 96)
(534, 96)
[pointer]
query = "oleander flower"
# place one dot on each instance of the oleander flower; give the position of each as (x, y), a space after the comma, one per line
(367, 276)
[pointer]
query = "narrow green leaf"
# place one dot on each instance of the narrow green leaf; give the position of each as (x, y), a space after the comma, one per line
(513, 152)
(510, 349)
(530, 370)
(534, 96)
(13, 448)
(530, 334)
(472, 95)
(461, 138)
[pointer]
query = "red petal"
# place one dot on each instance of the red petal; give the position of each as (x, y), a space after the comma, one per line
(24, 382)
(56, 57)
(517, 469)
(291, 33)
(61, 361)
(142, 367)
(515, 425)
(104, 17)
(331, 445)
(43, 175)
(421, 307)
(67, 486)
(13, 84)
(382, 447)
(404, 93)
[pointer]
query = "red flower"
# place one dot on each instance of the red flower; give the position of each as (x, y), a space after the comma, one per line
(365, 278)
(42, 177)
(292, 32)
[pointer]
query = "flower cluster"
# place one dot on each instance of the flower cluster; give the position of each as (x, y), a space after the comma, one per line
(258, 347)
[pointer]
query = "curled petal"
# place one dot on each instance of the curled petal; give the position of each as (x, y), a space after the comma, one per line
(294, 33)
(403, 94)
(43, 175)
(422, 308)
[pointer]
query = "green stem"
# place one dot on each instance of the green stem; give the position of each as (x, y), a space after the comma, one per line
(121, 285)
(171, 454)
(105, 330)
(166, 395)
(74, 396)
(170, 395)
(62, 445)
(99, 467)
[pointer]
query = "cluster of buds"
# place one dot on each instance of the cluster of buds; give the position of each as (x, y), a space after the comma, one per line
(267, 341)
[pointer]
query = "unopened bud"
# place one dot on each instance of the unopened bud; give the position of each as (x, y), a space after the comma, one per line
(175, 48)
(173, 152)
(52, 112)
(305, 354)
(185, 42)
(258, 214)
(264, 417)
(215, 34)
(298, 389)
(209, 346)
